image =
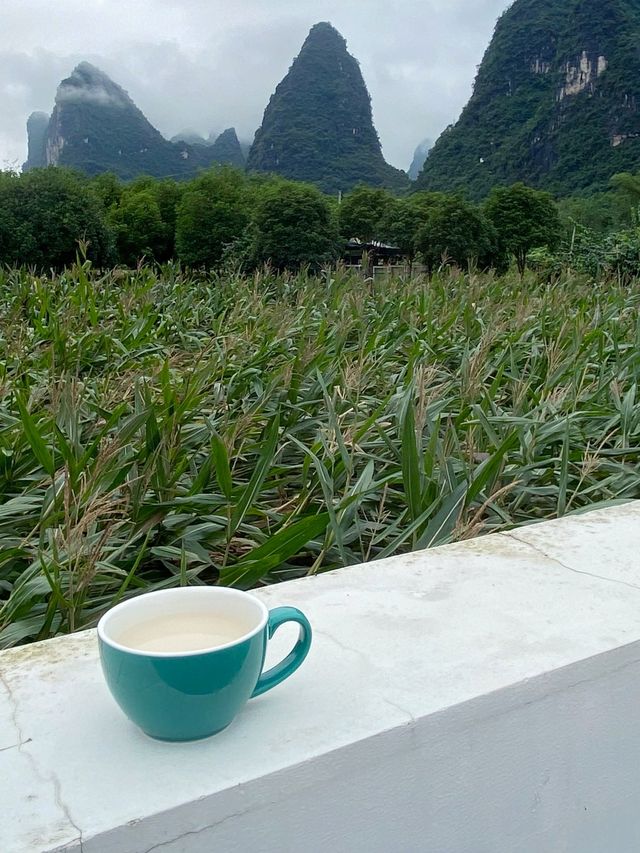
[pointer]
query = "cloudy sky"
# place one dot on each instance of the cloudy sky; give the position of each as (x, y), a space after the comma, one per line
(209, 64)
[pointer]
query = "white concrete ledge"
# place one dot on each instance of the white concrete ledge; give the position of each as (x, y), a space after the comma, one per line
(478, 698)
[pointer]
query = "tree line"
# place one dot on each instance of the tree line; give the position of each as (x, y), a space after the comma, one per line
(227, 216)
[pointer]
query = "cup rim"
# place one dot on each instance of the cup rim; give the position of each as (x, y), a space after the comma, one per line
(216, 591)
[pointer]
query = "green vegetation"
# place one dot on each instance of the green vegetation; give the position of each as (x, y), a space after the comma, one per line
(363, 213)
(401, 223)
(227, 219)
(444, 228)
(43, 215)
(528, 120)
(294, 227)
(159, 429)
(213, 213)
(143, 218)
(160, 426)
(523, 219)
(457, 231)
(318, 125)
(222, 216)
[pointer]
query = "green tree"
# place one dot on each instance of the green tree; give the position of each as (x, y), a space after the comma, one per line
(455, 230)
(212, 214)
(524, 219)
(143, 216)
(627, 185)
(294, 227)
(425, 202)
(621, 256)
(108, 188)
(404, 218)
(626, 197)
(601, 213)
(138, 225)
(400, 226)
(45, 214)
(362, 213)
(167, 193)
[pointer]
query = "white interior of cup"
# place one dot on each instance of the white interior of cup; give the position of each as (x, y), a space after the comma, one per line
(250, 614)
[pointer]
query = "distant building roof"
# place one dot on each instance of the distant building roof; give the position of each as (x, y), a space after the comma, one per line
(354, 243)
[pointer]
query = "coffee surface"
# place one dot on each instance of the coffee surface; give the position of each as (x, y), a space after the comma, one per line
(185, 632)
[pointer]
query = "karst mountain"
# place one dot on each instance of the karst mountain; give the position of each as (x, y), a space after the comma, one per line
(96, 127)
(556, 102)
(318, 125)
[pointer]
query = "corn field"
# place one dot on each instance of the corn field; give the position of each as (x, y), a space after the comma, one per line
(159, 428)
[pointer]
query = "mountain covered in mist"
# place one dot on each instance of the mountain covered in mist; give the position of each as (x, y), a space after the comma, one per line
(191, 137)
(96, 127)
(37, 128)
(318, 125)
(226, 148)
(556, 102)
(419, 156)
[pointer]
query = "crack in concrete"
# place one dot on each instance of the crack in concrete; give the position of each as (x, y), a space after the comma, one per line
(566, 566)
(14, 710)
(196, 831)
(408, 713)
(57, 789)
(52, 779)
(342, 646)
(15, 745)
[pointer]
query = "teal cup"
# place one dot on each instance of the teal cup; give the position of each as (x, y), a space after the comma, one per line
(181, 663)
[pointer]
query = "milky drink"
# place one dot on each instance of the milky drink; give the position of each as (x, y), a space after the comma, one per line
(181, 632)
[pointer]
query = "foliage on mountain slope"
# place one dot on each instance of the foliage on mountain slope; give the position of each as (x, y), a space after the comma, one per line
(556, 102)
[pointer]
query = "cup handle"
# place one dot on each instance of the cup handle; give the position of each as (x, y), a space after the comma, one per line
(277, 617)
